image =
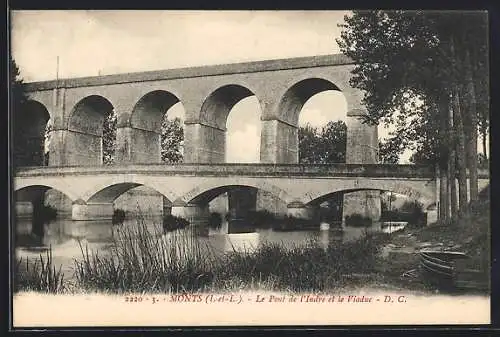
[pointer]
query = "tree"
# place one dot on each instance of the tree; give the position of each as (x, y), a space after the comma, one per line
(325, 146)
(18, 99)
(109, 139)
(389, 151)
(404, 57)
(172, 140)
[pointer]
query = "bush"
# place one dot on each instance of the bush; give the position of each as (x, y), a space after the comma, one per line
(411, 212)
(358, 220)
(118, 216)
(262, 219)
(291, 223)
(215, 220)
(299, 268)
(172, 223)
(48, 213)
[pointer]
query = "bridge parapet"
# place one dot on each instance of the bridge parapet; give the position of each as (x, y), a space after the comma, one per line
(291, 170)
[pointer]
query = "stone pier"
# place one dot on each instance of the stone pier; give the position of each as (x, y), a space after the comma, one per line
(299, 210)
(92, 211)
(361, 148)
(197, 215)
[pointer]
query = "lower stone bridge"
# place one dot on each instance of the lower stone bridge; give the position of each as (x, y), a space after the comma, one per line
(188, 188)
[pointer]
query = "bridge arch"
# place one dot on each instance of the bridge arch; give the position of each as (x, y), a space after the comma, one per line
(108, 190)
(208, 190)
(218, 104)
(88, 114)
(295, 96)
(58, 185)
(211, 135)
(86, 126)
(29, 133)
(33, 192)
(148, 112)
(418, 190)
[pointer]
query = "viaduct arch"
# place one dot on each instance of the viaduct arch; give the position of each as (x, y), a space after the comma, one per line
(208, 93)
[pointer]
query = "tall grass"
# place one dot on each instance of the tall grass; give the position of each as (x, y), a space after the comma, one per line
(141, 261)
(38, 275)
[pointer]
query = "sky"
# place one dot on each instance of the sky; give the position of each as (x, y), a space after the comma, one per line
(90, 43)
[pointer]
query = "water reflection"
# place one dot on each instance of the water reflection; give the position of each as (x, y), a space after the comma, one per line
(64, 236)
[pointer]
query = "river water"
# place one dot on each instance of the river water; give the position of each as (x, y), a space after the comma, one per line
(64, 237)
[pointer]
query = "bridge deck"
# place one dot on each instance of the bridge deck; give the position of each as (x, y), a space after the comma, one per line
(286, 170)
(198, 71)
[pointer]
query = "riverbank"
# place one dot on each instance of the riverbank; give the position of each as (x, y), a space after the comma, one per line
(470, 234)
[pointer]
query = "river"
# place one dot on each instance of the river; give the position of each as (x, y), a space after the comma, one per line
(63, 236)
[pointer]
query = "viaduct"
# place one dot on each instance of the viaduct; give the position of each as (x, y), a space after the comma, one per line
(77, 108)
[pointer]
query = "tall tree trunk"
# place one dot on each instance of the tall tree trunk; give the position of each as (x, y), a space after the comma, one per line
(472, 123)
(452, 182)
(484, 135)
(461, 159)
(443, 158)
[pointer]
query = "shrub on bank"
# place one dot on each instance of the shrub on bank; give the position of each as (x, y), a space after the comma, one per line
(298, 268)
(172, 223)
(291, 223)
(38, 275)
(118, 216)
(358, 220)
(411, 212)
(262, 219)
(48, 213)
(215, 220)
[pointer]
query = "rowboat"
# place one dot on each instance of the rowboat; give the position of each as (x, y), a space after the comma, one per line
(447, 270)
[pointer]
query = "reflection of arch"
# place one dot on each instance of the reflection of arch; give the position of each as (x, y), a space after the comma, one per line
(29, 133)
(203, 192)
(34, 192)
(296, 96)
(108, 191)
(149, 110)
(88, 115)
(218, 104)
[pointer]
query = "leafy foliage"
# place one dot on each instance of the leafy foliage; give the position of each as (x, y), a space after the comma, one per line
(18, 99)
(172, 140)
(109, 139)
(325, 146)
(406, 67)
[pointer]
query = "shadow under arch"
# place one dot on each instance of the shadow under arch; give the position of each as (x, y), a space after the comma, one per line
(86, 126)
(88, 114)
(294, 98)
(29, 133)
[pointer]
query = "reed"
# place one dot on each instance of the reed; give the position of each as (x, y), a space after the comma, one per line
(38, 275)
(144, 261)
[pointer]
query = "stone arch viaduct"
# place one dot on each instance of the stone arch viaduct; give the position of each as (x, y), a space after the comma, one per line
(77, 108)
